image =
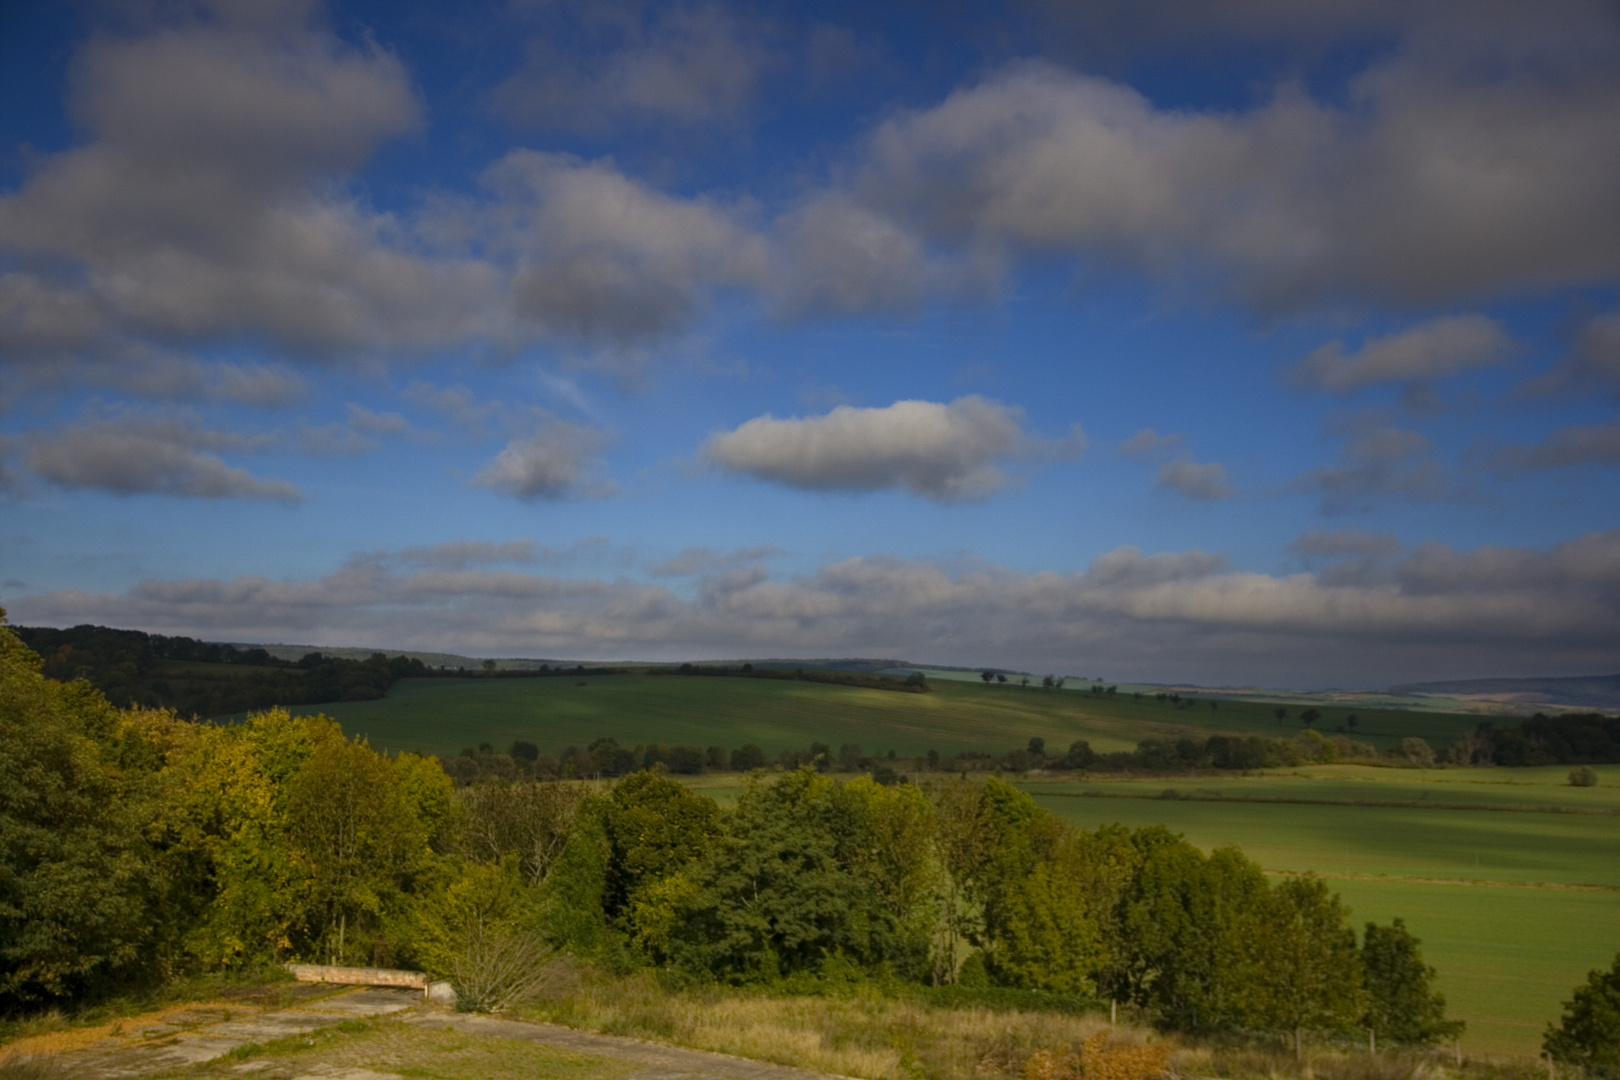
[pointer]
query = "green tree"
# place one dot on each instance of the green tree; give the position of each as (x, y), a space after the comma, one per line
(780, 890)
(1589, 1033)
(1309, 975)
(352, 828)
(573, 893)
(656, 827)
(1403, 1006)
(746, 758)
(1051, 926)
(77, 884)
(1187, 934)
(963, 837)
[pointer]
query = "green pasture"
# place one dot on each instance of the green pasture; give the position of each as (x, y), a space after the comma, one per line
(1495, 891)
(1507, 958)
(1487, 788)
(441, 716)
(1495, 895)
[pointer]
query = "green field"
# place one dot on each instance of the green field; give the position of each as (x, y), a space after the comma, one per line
(1510, 876)
(441, 716)
(1513, 906)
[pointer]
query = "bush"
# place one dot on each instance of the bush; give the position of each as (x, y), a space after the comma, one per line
(1583, 776)
(498, 969)
(1589, 1035)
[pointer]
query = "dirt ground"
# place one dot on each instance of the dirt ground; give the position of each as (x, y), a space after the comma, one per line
(319, 1033)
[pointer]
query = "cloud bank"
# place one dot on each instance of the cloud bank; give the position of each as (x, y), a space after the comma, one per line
(1434, 611)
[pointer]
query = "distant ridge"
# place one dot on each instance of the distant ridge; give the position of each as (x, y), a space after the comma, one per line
(1578, 691)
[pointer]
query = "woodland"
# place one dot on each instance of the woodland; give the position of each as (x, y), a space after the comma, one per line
(136, 845)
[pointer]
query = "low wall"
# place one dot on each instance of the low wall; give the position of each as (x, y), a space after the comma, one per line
(351, 976)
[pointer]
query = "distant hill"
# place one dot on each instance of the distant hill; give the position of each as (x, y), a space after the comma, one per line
(449, 661)
(1578, 691)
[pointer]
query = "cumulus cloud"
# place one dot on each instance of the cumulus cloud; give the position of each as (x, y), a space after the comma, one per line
(459, 554)
(1436, 349)
(946, 452)
(1455, 168)
(1338, 543)
(599, 255)
(1597, 349)
(1567, 447)
(195, 209)
(837, 256)
(683, 65)
(556, 461)
(208, 203)
(1205, 482)
(1378, 462)
(701, 559)
(1148, 443)
(149, 457)
(1176, 615)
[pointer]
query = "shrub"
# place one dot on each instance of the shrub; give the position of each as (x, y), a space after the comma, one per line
(1589, 1035)
(1583, 776)
(498, 969)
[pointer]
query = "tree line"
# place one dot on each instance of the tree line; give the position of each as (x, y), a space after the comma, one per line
(204, 678)
(135, 844)
(605, 758)
(915, 683)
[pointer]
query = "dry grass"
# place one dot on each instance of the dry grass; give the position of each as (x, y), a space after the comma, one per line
(860, 1034)
(52, 1033)
(399, 1048)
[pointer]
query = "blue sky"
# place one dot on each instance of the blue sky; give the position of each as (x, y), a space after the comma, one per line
(1232, 342)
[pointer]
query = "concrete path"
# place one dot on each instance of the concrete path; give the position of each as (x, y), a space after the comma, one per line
(656, 1061)
(200, 1035)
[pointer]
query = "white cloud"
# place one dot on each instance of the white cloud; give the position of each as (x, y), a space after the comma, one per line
(556, 461)
(946, 452)
(1205, 482)
(459, 554)
(1457, 168)
(701, 559)
(208, 203)
(1435, 350)
(685, 65)
(1379, 462)
(598, 255)
(149, 457)
(1567, 447)
(1182, 615)
(1338, 543)
(1149, 443)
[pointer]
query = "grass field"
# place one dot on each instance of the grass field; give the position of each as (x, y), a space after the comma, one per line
(1511, 877)
(441, 716)
(1513, 907)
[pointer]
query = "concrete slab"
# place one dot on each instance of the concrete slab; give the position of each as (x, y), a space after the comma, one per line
(201, 1035)
(375, 1002)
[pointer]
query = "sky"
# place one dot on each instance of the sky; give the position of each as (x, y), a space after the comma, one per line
(1229, 342)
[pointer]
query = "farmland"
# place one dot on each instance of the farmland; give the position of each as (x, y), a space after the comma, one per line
(441, 716)
(1511, 877)
(1514, 904)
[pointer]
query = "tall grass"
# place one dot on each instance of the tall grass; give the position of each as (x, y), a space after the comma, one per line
(875, 1032)
(861, 1032)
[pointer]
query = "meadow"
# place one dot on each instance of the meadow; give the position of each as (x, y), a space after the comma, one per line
(441, 716)
(1514, 904)
(1510, 876)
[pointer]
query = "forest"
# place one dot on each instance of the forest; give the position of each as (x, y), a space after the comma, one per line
(139, 845)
